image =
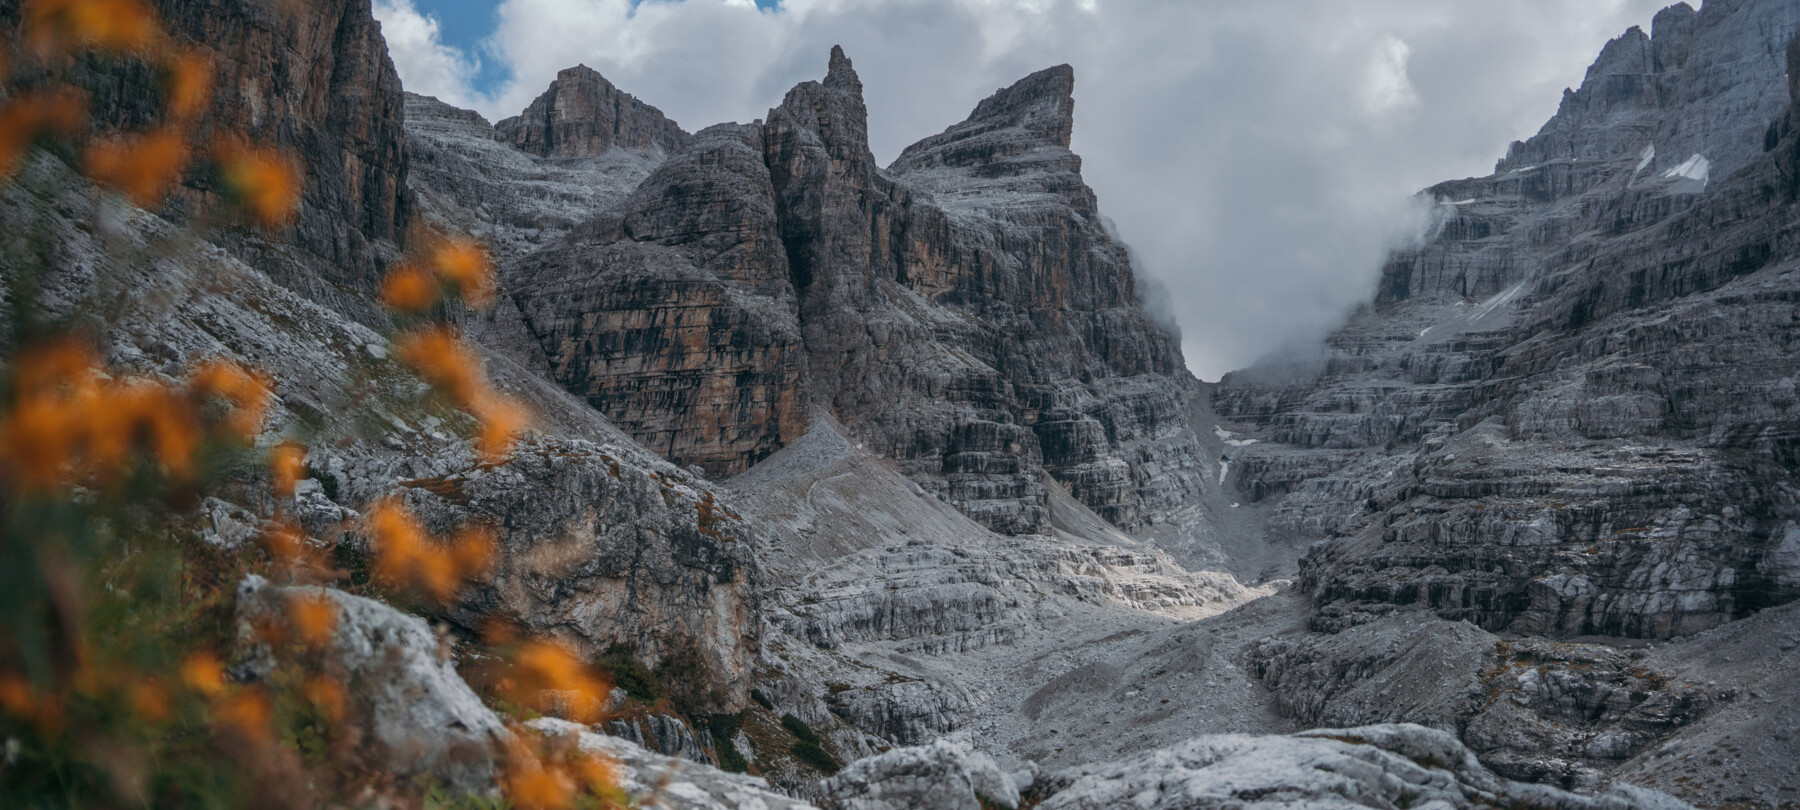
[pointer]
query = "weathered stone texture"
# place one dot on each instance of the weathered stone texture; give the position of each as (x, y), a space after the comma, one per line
(583, 115)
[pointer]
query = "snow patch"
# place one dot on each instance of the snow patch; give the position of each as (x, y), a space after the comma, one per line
(1694, 168)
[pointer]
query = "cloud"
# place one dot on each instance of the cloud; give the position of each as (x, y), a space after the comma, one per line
(1259, 158)
(426, 65)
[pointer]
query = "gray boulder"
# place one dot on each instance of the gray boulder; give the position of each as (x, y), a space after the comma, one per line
(941, 776)
(1385, 766)
(416, 713)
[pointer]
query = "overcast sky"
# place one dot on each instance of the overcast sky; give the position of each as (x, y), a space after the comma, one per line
(1258, 156)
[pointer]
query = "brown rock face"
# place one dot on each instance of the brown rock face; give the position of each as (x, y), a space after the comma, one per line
(584, 115)
(313, 78)
(673, 315)
(964, 311)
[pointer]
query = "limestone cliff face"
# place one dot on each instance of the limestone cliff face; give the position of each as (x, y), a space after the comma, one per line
(963, 312)
(1656, 119)
(584, 115)
(313, 78)
(1571, 411)
(673, 314)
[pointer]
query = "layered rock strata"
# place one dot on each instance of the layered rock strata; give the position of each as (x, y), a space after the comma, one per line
(582, 115)
(313, 79)
(963, 312)
(1566, 414)
(1564, 420)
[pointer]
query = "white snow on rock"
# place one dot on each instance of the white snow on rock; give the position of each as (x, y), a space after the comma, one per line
(1696, 168)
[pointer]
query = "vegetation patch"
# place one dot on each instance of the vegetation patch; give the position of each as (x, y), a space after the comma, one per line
(812, 754)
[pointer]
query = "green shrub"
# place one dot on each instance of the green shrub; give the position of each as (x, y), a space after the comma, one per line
(723, 728)
(630, 674)
(762, 699)
(799, 729)
(811, 754)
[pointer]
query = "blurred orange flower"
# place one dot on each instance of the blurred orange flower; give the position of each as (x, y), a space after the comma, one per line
(502, 421)
(533, 786)
(247, 392)
(314, 617)
(327, 695)
(248, 713)
(448, 363)
(188, 85)
(287, 463)
(68, 421)
(551, 773)
(202, 673)
(547, 676)
(142, 167)
(406, 556)
(465, 265)
(264, 181)
(409, 288)
(27, 117)
(149, 699)
(57, 27)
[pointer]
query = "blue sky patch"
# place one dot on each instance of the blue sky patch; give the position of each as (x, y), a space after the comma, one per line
(463, 24)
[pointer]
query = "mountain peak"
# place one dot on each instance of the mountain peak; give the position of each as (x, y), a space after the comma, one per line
(840, 74)
(1033, 113)
(581, 114)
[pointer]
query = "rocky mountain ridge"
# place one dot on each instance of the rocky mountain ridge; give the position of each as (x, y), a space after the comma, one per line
(1562, 420)
(893, 452)
(773, 264)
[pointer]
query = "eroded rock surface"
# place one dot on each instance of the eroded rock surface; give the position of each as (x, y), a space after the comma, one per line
(1576, 423)
(963, 312)
(1564, 421)
(582, 115)
(416, 714)
(1371, 766)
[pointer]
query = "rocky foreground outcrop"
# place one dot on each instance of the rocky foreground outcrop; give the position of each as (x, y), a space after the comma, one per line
(963, 312)
(424, 719)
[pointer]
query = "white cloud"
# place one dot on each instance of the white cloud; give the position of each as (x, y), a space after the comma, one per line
(1259, 157)
(427, 66)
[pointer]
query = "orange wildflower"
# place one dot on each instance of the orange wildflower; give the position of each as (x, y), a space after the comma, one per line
(409, 288)
(314, 617)
(465, 265)
(202, 673)
(28, 117)
(455, 370)
(248, 393)
(59, 26)
(248, 713)
(445, 362)
(405, 555)
(17, 698)
(140, 166)
(287, 463)
(546, 675)
(264, 181)
(530, 783)
(149, 700)
(54, 385)
(188, 85)
(502, 421)
(327, 695)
